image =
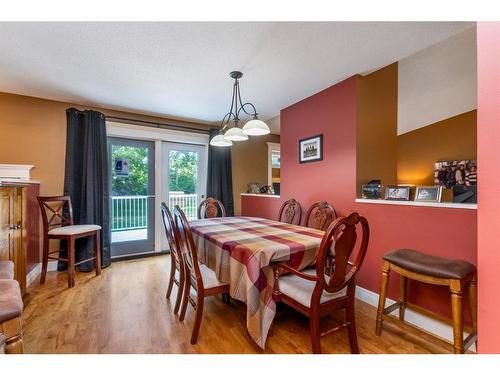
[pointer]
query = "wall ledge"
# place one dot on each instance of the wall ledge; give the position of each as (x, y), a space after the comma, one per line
(259, 195)
(467, 206)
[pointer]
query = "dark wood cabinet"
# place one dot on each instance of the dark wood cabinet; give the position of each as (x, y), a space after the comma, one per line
(19, 228)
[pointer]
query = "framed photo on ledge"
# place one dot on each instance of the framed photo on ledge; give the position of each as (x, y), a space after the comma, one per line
(397, 193)
(428, 193)
(311, 149)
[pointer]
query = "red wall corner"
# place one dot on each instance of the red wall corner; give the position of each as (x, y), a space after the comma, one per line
(488, 145)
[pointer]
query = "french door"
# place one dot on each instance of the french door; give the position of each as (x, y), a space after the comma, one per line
(184, 176)
(132, 185)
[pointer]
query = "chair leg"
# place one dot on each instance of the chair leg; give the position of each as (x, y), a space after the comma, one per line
(45, 259)
(171, 277)
(383, 295)
(12, 330)
(456, 313)
(97, 250)
(315, 334)
(71, 262)
(403, 286)
(197, 320)
(351, 328)
(185, 296)
(180, 290)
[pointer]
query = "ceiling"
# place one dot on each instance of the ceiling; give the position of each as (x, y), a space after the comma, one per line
(180, 69)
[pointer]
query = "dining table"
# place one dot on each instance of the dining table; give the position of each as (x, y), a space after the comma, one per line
(241, 251)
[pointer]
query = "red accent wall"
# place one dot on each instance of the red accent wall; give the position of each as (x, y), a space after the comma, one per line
(488, 142)
(333, 113)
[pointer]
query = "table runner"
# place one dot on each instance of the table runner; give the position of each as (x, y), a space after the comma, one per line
(240, 250)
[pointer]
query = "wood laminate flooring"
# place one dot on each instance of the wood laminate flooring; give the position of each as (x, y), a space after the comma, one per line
(125, 311)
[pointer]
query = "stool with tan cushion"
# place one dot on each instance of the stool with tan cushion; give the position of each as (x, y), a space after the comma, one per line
(6, 270)
(11, 307)
(458, 275)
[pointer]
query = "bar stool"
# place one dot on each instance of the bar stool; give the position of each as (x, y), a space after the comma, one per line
(11, 307)
(456, 274)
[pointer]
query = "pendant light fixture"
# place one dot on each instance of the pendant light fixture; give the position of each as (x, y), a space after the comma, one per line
(230, 131)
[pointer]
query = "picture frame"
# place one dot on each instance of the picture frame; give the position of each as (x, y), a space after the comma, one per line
(428, 193)
(311, 149)
(397, 193)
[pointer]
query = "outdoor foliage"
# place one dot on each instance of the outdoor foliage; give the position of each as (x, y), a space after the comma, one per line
(182, 171)
(137, 181)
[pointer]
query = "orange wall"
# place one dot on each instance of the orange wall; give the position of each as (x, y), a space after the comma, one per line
(488, 140)
(452, 139)
(377, 116)
(249, 165)
(33, 131)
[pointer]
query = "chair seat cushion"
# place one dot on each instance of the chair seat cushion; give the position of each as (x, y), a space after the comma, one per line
(74, 229)
(430, 265)
(209, 278)
(300, 289)
(6, 270)
(11, 303)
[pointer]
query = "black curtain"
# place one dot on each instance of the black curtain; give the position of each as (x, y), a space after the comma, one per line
(86, 181)
(220, 177)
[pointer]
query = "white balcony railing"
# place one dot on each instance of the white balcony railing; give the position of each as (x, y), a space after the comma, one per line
(131, 212)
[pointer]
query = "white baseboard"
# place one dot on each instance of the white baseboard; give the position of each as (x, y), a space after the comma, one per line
(30, 277)
(436, 327)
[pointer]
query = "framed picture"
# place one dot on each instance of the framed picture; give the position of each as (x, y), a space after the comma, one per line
(428, 193)
(397, 193)
(311, 149)
(456, 172)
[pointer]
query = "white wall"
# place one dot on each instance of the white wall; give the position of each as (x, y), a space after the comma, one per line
(438, 82)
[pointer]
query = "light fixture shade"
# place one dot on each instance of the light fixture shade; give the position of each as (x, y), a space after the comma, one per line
(219, 141)
(256, 127)
(235, 134)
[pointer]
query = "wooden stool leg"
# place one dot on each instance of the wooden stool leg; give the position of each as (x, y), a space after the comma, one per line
(71, 262)
(383, 295)
(457, 317)
(403, 286)
(45, 259)
(13, 332)
(97, 250)
(473, 302)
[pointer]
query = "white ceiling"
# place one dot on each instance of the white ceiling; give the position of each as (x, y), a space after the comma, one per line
(181, 69)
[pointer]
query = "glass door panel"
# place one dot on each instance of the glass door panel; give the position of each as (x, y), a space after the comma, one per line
(185, 177)
(132, 196)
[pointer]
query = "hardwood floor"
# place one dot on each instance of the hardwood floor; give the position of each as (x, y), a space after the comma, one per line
(125, 311)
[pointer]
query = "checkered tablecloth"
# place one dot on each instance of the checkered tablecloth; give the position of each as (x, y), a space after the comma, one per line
(240, 250)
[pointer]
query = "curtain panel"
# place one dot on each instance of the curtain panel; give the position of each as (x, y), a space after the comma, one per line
(86, 181)
(219, 176)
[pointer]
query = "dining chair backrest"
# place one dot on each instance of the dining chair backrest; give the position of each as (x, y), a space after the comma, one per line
(171, 231)
(322, 213)
(337, 248)
(290, 210)
(187, 245)
(210, 208)
(56, 211)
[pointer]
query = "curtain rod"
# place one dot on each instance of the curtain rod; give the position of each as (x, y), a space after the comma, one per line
(154, 124)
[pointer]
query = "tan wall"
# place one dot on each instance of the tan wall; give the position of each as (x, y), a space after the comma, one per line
(249, 165)
(376, 151)
(33, 131)
(452, 139)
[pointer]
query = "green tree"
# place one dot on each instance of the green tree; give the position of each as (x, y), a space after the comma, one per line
(137, 181)
(182, 171)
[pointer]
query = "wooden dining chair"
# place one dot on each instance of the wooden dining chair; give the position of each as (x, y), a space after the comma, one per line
(318, 292)
(210, 208)
(322, 214)
(176, 261)
(57, 218)
(289, 210)
(198, 276)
